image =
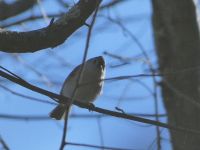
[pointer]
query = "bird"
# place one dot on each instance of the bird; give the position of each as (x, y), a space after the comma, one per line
(90, 75)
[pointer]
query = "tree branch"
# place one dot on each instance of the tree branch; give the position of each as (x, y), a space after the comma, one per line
(65, 100)
(4, 144)
(74, 116)
(51, 36)
(95, 146)
(29, 18)
(10, 10)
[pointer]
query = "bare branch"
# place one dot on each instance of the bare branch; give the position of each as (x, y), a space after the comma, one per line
(80, 73)
(65, 100)
(111, 4)
(10, 10)
(95, 146)
(26, 96)
(51, 36)
(29, 18)
(24, 118)
(5, 146)
(73, 116)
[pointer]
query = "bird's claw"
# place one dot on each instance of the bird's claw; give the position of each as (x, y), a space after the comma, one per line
(91, 106)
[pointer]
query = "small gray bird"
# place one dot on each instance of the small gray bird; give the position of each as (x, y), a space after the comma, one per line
(91, 82)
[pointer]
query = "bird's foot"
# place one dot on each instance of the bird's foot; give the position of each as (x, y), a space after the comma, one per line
(91, 106)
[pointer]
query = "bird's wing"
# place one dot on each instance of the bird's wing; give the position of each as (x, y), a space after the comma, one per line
(72, 75)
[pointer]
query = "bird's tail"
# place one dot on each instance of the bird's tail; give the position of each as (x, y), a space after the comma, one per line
(59, 112)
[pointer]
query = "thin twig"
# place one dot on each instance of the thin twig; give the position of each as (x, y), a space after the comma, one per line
(26, 96)
(97, 147)
(73, 116)
(65, 100)
(79, 75)
(4, 144)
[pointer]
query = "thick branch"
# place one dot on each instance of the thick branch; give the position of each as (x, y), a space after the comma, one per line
(10, 10)
(31, 18)
(51, 36)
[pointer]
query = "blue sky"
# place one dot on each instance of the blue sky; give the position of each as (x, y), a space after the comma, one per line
(129, 95)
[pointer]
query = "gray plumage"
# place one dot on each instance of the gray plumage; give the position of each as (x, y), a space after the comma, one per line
(89, 88)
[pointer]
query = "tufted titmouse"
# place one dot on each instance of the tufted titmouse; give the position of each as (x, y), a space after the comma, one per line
(89, 86)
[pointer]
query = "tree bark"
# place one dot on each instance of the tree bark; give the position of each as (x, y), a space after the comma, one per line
(13, 9)
(51, 36)
(178, 50)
